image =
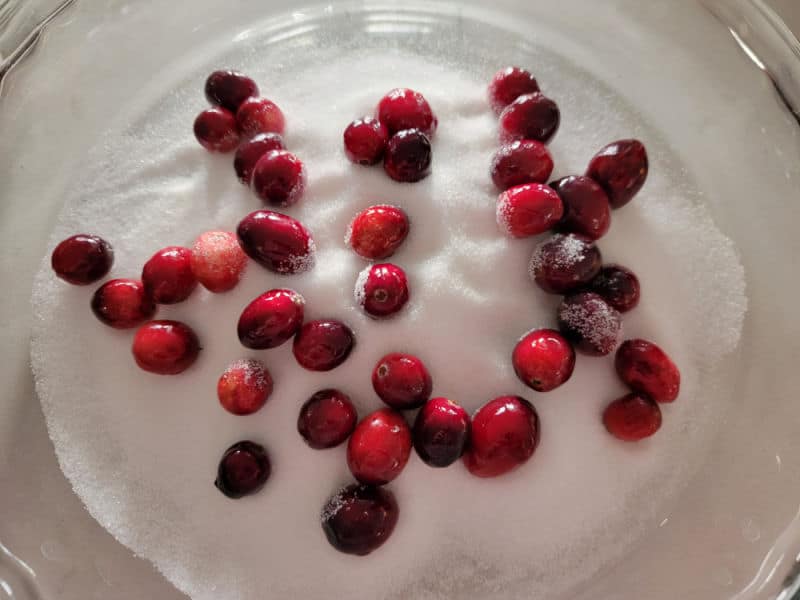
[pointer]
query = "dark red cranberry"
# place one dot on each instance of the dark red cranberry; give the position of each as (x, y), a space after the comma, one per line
(359, 518)
(632, 418)
(530, 117)
(379, 447)
(365, 141)
(377, 231)
(528, 209)
(248, 153)
(218, 260)
(564, 263)
(586, 208)
(271, 319)
(326, 419)
(259, 115)
(406, 109)
(82, 259)
(122, 303)
(523, 161)
(382, 290)
(402, 381)
(165, 347)
(618, 286)
(215, 129)
(408, 156)
(543, 359)
(277, 242)
(505, 433)
(243, 469)
(244, 387)
(279, 178)
(229, 89)
(441, 431)
(621, 169)
(168, 277)
(509, 84)
(323, 345)
(646, 368)
(590, 323)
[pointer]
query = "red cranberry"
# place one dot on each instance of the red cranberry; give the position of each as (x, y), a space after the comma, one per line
(271, 319)
(165, 347)
(359, 518)
(618, 286)
(365, 140)
(505, 433)
(277, 242)
(543, 359)
(402, 381)
(564, 263)
(82, 259)
(326, 419)
(229, 89)
(248, 153)
(215, 129)
(382, 290)
(377, 231)
(218, 260)
(632, 418)
(441, 431)
(647, 369)
(528, 209)
(406, 109)
(379, 447)
(509, 84)
(590, 323)
(244, 387)
(279, 178)
(530, 117)
(259, 115)
(243, 469)
(168, 277)
(408, 156)
(523, 161)
(621, 168)
(323, 345)
(586, 208)
(122, 303)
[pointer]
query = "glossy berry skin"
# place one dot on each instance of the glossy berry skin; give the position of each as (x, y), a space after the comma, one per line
(564, 263)
(165, 347)
(543, 359)
(520, 162)
(326, 419)
(244, 387)
(382, 290)
(122, 303)
(215, 129)
(646, 368)
(218, 260)
(632, 418)
(408, 156)
(277, 242)
(586, 208)
(527, 210)
(243, 469)
(379, 447)
(168, 277)
(82, 259)
(621, 169)
(323, 345)
(509, 84)
(259, 115)
(505, 433)
(530, 117)
(365, 141)
(441, 431)
(249, 152)
(378, 231)
(229, 89)
(406, 109)
(359, 518)
(271, 319)
(590, 323)
(402, 381)
(279, 178)
(618, 286)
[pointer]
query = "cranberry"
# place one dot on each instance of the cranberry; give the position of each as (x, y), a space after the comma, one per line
(406, 109)
(215, 129)
(382, 290)
(168, 277)
(82, 259)
(365, 140)
(632, 418)
(618, 286)
(271, 319)
(243, 469)
(441, 431)
(509, 84)
(402, 381)
(505, 433)
(326, 419)
(530, 117)
(259, 115)
(244, 387)
(586, 208)
(408, 156)
(377, 231)
(218, 260)
(248, 153)
(122, 303)
(379, 447)
(323, 345)
(165, 347)
(590, 323)
(621, 168)
(543, 359)
(229, 89)
(647, 369)
(528, 209)
(564, 263)
(279, 178)
(359, 518)
(277, 242)
(523, 161)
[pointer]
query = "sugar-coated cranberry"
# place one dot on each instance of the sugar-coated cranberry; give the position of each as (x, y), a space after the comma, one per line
(632, 418)
(168, 277)
(543, 359)
(218, 260)
(271, 319)
(590, 323)
(564, 262)
(279, 178)
(359, 518)
(382, 290)
(441, 431)
(618, 286)
(522, 161)
(165, 347)
(377, 231)
(277, 242)
(528, 209)
(327, 419)
(379, 447)
(365, 141)
(244, 386)
(229, 89)
(215, 129)
(621, 168)
(530, 117)
(646, 368)
(122, 303)
(406, 109)
(249, 152)
(402, 381)
(259, 115)
(586, 208)
(408, 156)
(243, 469)
(323, 345)
(509, 84)
(82, 259)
